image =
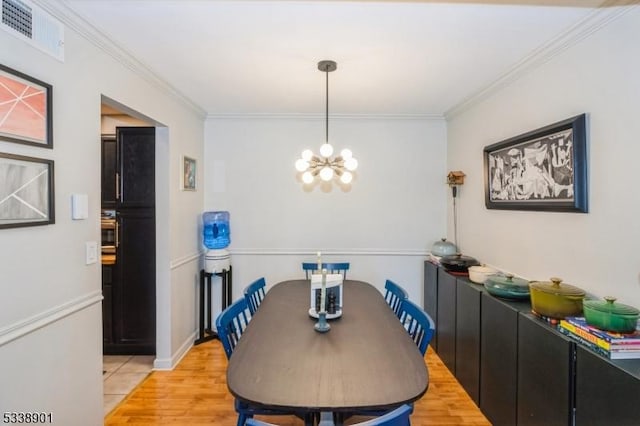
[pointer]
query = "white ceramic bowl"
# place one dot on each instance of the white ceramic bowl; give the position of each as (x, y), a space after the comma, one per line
(479, 274)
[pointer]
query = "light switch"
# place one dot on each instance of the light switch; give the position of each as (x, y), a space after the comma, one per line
(91, 252)
(79, 206)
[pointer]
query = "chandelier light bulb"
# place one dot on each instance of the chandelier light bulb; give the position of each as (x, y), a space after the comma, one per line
(326, 150)
(302, 165)
(326, 174)
(307, 177)
(346, 154)
(346, 177)
(307, 155)
(351, 164)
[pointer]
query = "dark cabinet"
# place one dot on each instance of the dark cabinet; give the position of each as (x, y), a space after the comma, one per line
(107, 304)
(136, 166)
(518, 368)
(446, 322)
(499, 358)
(607, 392)
(430, 301)
(545, 374)
(128, 178)
(468, 336)
(109, 172)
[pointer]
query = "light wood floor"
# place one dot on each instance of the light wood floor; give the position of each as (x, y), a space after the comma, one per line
(195, 393)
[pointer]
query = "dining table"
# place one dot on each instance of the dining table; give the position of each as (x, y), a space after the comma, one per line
(365, 362)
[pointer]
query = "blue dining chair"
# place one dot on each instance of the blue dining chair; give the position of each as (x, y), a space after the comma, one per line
(230, 325)
(394, 295)
(332, 268)
(418, 324)
(254, 293)
(397, 417)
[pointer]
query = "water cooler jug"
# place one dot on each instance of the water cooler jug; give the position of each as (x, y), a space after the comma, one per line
(216, 236)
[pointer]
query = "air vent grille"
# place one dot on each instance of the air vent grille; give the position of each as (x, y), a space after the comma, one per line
(18, 16)
(33, 25)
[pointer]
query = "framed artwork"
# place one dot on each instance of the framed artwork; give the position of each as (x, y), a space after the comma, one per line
(26, 191)
(545, 169)
(25, 109)
(188, 173)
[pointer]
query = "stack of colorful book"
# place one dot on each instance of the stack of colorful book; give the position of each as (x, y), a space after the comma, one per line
(607, 343)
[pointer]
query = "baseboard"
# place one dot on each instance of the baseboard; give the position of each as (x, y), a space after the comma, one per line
(170, 363)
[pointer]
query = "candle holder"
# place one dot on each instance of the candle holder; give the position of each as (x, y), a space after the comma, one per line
(322, 326)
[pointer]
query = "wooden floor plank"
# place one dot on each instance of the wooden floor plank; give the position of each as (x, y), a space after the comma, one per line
(195, 393)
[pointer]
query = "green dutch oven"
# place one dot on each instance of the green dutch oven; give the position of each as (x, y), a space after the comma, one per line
(610, 316)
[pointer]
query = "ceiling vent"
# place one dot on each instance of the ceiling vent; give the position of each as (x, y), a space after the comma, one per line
(35, 26)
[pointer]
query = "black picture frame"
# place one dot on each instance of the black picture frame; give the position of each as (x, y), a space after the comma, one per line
(30, 119)
(26, 191)
(542, 170)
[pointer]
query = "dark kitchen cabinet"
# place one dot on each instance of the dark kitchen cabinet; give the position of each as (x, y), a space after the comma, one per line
(134, 293)
(128, 187)
(430, 301)
(446, 322)
(499, 358)
(107, 304)
(468, 336)
(136, 166)
(545, 374)
(607, 391)
(108, 172)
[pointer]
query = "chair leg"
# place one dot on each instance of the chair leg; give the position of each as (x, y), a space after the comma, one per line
(242, 418)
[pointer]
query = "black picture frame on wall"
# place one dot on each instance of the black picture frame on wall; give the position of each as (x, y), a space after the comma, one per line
(26, 116)
(26, 191)
(543, 170)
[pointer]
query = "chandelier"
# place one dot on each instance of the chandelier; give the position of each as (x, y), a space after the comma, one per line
(324, 165)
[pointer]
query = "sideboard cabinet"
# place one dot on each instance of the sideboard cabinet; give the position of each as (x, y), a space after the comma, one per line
(518, 368)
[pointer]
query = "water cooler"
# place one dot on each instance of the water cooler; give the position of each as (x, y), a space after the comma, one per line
(217, 237)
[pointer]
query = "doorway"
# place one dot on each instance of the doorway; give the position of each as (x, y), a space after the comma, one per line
(123, 372)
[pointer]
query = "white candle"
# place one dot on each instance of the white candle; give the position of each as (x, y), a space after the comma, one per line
(319, 262)
(323, 291)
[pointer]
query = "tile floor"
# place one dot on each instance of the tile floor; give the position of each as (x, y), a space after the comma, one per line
(122, 374)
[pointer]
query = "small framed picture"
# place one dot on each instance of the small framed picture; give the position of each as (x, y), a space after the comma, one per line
(25, 109)
(26, 191)
(189, 175)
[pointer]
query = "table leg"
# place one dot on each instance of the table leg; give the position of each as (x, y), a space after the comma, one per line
(326, 419)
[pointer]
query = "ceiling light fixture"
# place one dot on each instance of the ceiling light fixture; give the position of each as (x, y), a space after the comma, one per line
(323, 165)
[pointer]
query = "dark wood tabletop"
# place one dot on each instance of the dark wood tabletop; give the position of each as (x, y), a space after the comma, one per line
(366, 360)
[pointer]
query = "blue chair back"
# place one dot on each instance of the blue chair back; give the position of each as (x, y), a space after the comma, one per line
(418, 324)
(231, 323)
(332, 268)
(394, 295)
(397, 417)
(254, 293)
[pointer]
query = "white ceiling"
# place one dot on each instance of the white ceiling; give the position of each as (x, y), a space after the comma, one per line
(260, 57)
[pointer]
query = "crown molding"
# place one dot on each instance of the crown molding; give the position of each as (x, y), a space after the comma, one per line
(63, 12)
(593, 22)
(318, 116)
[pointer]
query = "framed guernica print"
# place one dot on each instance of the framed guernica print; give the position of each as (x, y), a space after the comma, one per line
(25, 109)
(545, 169)
(26, 191)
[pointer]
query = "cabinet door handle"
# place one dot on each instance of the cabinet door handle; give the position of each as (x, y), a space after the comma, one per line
(117, 186)
(117, 233)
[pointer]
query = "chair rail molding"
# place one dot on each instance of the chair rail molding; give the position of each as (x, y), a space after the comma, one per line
(42, 319)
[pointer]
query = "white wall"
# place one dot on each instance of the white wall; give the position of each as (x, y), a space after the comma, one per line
(383, 224)
(50, 312)
(598, 251)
